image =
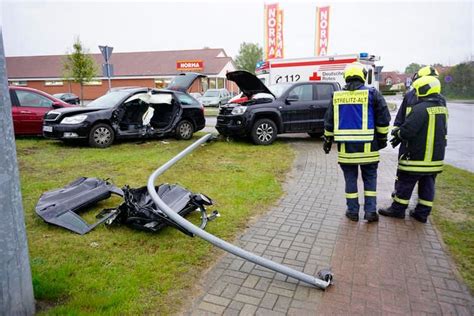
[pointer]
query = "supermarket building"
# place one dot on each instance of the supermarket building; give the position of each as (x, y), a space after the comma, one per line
(145, 69)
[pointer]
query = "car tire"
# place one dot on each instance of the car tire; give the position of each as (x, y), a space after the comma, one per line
(315, 135)
(101, 136)
(264, 132)
(184, 130)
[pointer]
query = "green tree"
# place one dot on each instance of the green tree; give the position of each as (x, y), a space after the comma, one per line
(249, 54)
(412, 68)
(458, 82)
(79, 66)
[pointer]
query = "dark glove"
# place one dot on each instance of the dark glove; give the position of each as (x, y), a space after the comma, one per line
(396, 140)
(382, 143)
(327, 144)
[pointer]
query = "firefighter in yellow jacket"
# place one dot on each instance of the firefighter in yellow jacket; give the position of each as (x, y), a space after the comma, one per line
(357, 120)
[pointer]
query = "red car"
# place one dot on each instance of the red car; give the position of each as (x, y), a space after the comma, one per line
(28, 109)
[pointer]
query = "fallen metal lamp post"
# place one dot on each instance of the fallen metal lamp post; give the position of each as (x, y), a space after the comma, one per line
(325, 275)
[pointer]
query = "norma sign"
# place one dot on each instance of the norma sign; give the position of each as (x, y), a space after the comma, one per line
(273, 31)
(189, 65)
(322, 31)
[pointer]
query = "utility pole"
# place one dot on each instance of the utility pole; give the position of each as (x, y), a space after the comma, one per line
(16, 288)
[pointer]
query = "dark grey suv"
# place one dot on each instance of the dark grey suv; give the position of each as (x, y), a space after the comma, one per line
(283, 108)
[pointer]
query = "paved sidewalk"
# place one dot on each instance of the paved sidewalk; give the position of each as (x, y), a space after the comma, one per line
(395, 267)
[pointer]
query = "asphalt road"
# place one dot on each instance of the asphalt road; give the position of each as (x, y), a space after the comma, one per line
(460, 150)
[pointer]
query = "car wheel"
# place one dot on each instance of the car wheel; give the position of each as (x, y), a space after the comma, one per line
(101, 136)
(264, 132)
(184, 130)
(316, 135)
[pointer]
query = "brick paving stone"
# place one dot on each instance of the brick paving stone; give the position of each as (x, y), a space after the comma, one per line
(213, 308)
(393, 267)
(268, 312)
(236, 305)
(248, 310)
(218, 300)
(269, 301)
(282, 304)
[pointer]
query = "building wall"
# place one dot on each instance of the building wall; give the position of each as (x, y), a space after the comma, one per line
(91, 92)
(231, 86)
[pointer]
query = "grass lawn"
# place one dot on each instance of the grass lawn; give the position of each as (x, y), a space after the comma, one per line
(210, 111)
(454, 216)
(121, 271)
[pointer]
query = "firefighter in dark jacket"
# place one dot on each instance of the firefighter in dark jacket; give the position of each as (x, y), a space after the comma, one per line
(408, 103)
(357, 120)
(423, 136)
(411, 99)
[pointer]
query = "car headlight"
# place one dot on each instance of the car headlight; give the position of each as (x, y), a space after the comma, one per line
(76, 119)
(239, 110)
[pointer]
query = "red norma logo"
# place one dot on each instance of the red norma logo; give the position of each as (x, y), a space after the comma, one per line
(183, 65)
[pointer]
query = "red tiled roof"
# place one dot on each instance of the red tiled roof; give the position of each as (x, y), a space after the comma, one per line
(158, 63)
(396, 77)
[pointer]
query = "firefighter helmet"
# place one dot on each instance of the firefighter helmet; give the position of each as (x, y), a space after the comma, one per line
(354, 71)
(427, 85)
(426, 71)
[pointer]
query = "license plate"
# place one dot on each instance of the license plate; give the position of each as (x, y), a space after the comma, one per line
(47, 129)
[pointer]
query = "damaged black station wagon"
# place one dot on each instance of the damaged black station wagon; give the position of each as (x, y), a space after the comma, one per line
(131, 113)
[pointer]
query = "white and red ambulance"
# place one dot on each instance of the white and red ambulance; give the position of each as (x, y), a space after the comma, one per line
(327, 68)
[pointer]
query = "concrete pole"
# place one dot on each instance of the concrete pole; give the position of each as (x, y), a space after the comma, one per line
(16, 288)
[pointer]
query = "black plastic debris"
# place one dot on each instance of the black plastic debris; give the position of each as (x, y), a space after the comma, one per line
(139, 211)
(60, 207)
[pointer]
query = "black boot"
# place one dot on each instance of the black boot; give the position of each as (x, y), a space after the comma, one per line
(352, 216)
(371, 217)
(418, 217)
(390, 212)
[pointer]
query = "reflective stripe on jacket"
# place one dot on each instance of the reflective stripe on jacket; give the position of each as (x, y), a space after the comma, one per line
(357, 153)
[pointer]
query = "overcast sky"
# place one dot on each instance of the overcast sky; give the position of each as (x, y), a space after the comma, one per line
(400, 32)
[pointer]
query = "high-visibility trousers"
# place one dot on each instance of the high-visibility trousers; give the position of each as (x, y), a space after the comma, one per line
(404, 187)
(369, 177)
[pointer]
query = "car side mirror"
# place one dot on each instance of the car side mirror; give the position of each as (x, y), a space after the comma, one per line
(57, 105)
(292, 98)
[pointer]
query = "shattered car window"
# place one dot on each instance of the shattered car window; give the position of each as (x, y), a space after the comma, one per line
(156, 98)
(108, 100)
(161, 98)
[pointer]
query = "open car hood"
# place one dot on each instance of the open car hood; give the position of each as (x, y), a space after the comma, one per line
(248, 83)
(184, 81)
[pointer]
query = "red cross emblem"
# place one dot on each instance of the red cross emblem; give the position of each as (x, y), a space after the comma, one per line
(314, 77)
